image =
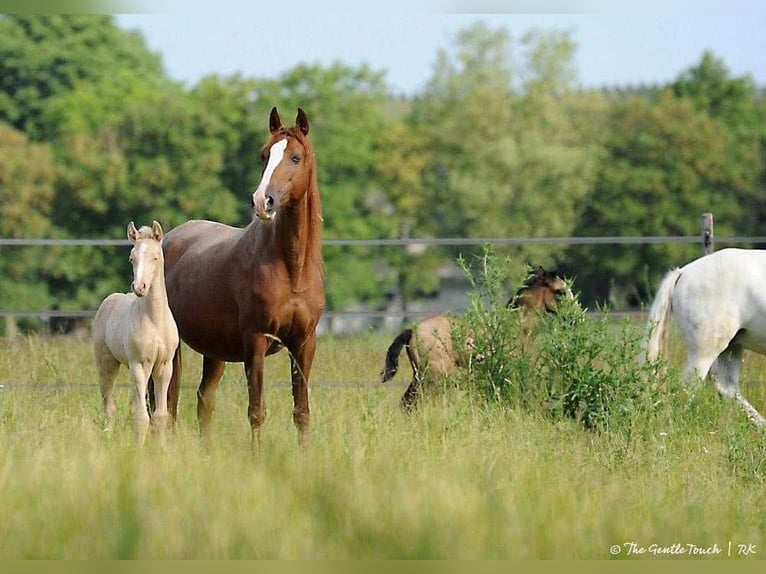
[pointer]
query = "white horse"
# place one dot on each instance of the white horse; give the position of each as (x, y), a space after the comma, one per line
(137, 330)
(719, 301)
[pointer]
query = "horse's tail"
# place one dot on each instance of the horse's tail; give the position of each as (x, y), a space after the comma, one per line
(392, 356)
(658, 324)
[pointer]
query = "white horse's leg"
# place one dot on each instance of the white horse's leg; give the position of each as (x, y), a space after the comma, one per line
(697, 367)
(727, 370)
(107, 367)
(161, 415)
(140, 375)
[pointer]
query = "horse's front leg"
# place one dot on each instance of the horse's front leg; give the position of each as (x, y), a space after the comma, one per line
(140, 375)
(255, 356)
(301, 359)
(173, 387)
(160, 413)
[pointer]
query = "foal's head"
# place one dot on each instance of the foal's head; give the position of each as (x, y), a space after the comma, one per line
(541, 291)
(146, 256)
(288, 162)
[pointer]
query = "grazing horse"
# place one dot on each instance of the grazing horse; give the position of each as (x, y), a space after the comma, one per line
(240, 294)
(719, 303)
(137, 330)
(433, 335)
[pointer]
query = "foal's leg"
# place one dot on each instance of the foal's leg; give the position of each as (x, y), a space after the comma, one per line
(212, 371)
(410, 397)
(301, 359)
(160, 414)
(140, 375)
(107, 367)
(727, 370)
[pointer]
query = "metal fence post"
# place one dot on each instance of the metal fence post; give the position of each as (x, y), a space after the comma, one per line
(707, 234)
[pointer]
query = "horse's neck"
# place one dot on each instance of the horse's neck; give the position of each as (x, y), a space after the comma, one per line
(155, 304)
(297, 235)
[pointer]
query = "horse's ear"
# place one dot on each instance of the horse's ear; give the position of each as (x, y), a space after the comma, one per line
(132, 231)
(157, 230)
(302, 122)
(274, 120)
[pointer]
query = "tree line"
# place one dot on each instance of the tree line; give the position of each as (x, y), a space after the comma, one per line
(501, 141)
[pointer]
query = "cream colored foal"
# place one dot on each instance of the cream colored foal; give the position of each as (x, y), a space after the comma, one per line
(137, 330)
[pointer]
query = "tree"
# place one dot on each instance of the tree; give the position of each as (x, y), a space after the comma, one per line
(711, 88)
(27, 180)
(42, 56)
(156, 158)
(666, 164)
(510, 143)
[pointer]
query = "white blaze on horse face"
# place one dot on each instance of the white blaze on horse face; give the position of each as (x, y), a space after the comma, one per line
(276, 153)
(140, 281)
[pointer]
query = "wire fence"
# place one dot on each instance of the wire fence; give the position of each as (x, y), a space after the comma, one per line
(705, 240)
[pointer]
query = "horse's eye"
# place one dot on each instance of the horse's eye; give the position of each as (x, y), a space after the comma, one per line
(296, 158)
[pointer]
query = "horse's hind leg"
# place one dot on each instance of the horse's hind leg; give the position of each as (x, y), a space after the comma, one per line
(412, 394)
(700, 359)
(107, 367)
(174, 387)
(212, 371)
(726, 370)
(301, 360)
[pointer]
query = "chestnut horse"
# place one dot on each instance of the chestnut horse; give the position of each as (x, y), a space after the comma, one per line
(239, 295)
(433, 335)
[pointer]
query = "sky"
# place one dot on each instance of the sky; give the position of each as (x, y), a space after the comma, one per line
(651, 44)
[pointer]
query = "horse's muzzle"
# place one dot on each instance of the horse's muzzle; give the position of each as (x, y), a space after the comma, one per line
(264, 206)
(140, 290)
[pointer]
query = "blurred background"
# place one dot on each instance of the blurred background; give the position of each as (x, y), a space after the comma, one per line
(468, 127)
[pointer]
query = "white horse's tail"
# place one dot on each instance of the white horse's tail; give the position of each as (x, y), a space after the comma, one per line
(658, 324)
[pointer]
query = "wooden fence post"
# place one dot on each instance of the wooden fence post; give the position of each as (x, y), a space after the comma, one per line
(707, 234)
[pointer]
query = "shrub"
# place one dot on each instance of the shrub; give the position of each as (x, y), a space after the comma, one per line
(570, 364)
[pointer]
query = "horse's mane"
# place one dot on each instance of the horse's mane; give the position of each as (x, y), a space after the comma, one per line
(144, 232)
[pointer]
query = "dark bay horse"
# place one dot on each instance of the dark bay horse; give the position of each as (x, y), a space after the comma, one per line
(432, 340)
(239, 295)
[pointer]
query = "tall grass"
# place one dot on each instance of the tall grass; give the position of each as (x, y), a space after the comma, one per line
(461, 477)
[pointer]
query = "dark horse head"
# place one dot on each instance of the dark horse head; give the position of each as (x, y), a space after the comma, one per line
(541, 290)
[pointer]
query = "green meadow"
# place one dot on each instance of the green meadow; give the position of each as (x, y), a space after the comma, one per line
(459, 478)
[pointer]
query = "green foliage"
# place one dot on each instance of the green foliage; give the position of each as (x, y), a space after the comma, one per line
(42, 56)
(711, 88)
(565, 364)
(506, 152)
(670, 156)
(27, 188)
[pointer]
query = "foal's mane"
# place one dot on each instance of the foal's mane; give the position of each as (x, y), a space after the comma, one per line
(144, 232)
